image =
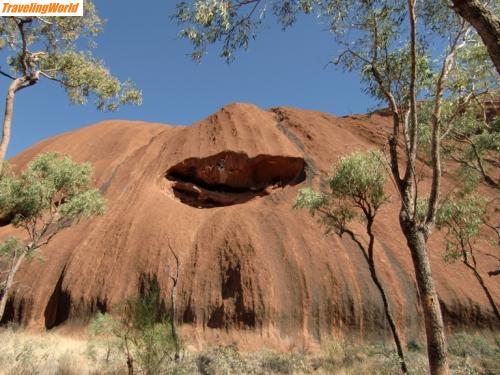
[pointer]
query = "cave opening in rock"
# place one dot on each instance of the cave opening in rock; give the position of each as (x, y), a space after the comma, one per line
(58, 307)
(5, 218)
(230, 178)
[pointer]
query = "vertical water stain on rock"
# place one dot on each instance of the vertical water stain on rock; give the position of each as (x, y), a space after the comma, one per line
(221, 193)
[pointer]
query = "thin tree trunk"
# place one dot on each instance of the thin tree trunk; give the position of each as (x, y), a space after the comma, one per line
(486, 24)
(130, 365)
(130, 359)
(9, 282)
(485, 289)
(387, 309)
(172, 320)
(15, 86)
(416, 235)
(434, 327)
(390, 319)
(173, 298)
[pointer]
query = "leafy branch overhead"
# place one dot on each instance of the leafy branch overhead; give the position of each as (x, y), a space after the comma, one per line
(48, 47)
(233, 23)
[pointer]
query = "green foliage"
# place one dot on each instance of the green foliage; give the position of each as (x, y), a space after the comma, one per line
(53, 186)
(461, 216)
(228, 360)
(374, 41)
(471, 130)
(103, 324)
(467, 345)
(356, 186)
(473, 70)
(10, 247)
(472, 137)
(414, 346)
(232, 23)
(148, 308)
(283, 363)
(49, 48)
(141, 332)
(81, 74)
(360, 175)
(310, 199)
(51, 353)
(221, 360)
(422, 207)
(51, 194)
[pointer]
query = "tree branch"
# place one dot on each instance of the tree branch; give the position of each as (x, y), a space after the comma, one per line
(48, 76)
(7, 75)
(24, 49)
(436, 128)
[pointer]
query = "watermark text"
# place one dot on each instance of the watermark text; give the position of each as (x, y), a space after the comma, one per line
(21, 8)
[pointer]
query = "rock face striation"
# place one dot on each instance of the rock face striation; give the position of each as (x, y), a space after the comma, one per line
(253, 270)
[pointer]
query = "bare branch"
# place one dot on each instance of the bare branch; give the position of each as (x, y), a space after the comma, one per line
(6, 75)
(43, 20)
(436, 128)
(24, 52)
(174, 279)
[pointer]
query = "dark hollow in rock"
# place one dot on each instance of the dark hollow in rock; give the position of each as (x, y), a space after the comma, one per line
(5, 218)
(231, 178)
(58, 307)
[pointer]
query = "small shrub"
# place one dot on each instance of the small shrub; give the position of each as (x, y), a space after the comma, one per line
(340, 354)
(283, 363)
(389, 365)
(221, 361)
(414, 346)
(465, 368)
(12, 326)
(23, 358)
(466, 345)
(142, 333)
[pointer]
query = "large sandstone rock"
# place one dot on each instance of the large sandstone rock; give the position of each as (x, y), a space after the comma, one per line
(253, 270)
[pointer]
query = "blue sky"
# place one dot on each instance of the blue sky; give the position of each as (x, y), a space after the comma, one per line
(279, 69)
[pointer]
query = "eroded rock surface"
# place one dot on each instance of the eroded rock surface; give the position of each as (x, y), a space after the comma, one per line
(230, 178)
(254, 271)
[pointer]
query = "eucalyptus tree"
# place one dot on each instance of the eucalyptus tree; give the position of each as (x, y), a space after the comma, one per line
(355, 191)
(53, 193)
(462, 216)
(403, 51)
(484, 18)
(48, 48)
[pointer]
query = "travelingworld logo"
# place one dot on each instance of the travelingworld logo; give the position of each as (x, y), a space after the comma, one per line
(46, 8)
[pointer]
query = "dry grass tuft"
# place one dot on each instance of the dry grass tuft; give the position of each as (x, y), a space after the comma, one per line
(54, 354)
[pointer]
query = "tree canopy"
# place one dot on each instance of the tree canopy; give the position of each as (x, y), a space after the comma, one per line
(51, 48)
(356, 190)
(407, 54)
(53, 186)
(59, 49)
(53, 193)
